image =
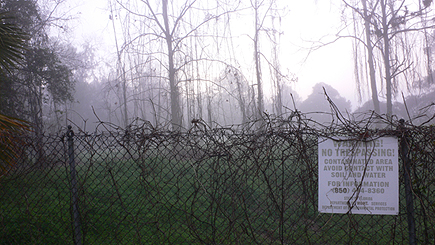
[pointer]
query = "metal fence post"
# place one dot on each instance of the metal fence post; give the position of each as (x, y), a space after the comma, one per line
(407, 177)
(74, 195)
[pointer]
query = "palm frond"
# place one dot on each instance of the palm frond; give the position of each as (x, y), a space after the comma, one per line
(12, 43)
(12, 46)
(10, 143)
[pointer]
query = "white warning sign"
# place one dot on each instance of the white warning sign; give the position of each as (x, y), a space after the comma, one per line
(359, 177)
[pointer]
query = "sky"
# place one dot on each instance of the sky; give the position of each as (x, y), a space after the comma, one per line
(331, 64)
(305, 22)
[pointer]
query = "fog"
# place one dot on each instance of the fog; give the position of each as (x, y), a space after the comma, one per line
(223, 63)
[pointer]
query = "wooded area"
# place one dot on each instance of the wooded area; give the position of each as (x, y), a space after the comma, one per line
(180, 61)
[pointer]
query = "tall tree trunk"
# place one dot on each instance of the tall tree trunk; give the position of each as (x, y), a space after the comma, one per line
(38, 126)
(124, 96)
(388, 78)
(241, 100)
(428, 48)
(121, 68)
(173, 86)
(198, 84)
(369, 46)
(260, 108)
(209, 108)
(278, 78)
(189, 104)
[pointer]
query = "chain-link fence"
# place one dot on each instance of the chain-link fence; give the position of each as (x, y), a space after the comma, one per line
(204, 186)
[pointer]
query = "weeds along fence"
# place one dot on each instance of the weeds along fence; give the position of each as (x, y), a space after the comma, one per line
(205, 186)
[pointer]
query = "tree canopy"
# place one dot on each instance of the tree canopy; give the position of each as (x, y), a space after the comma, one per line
(317, 103)
(37, 75)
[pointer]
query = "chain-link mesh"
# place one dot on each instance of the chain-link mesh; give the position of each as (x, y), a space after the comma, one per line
(203, 186)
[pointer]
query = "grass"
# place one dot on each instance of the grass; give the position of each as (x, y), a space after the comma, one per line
(238, 199)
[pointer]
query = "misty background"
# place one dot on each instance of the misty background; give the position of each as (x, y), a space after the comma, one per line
(222, 62)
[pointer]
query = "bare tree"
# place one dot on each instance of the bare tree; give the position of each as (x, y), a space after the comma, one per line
(367, 18)
(263, 9)
(278, 78)
(168, 29)
(259, 21)
(387, 25)
(121, 73)
(237, 89)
